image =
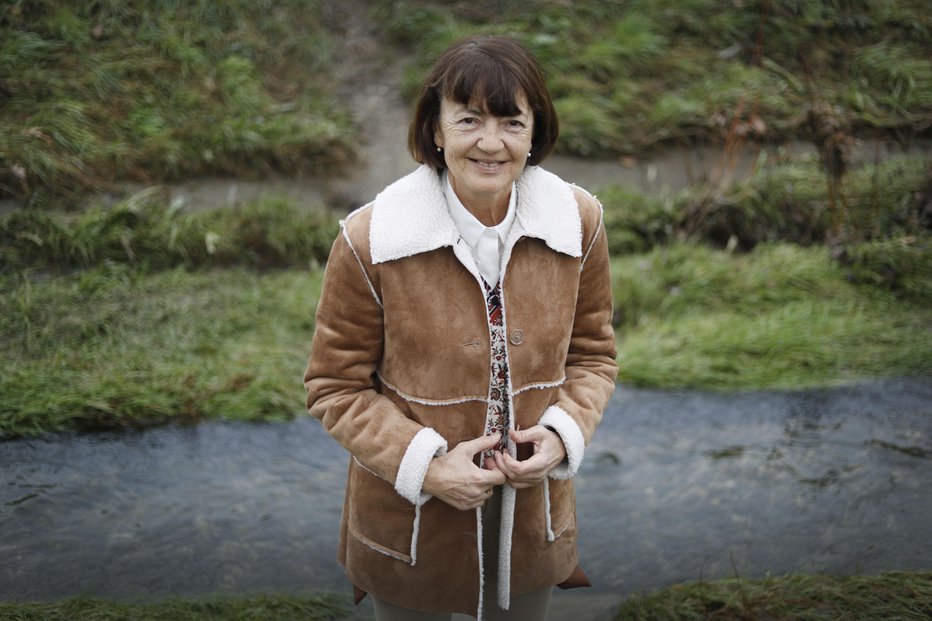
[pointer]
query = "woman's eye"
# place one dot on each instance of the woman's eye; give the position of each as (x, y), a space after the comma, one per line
(468, 121)
(515, 124)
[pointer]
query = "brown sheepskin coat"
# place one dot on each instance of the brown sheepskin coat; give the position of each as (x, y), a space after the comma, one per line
(399, 372)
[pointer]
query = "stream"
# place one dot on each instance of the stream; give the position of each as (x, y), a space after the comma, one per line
(676, 486)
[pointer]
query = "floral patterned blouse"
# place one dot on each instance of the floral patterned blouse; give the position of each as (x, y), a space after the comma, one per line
(498, 412)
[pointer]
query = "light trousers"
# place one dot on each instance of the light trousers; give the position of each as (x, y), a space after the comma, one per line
(525, 607)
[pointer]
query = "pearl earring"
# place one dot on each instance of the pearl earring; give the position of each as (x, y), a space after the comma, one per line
(529, 154)
(439, 150)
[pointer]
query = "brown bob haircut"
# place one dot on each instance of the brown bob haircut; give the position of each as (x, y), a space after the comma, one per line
(490, 72)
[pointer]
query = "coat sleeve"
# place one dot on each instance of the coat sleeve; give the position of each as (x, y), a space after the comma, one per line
(341, 382)
(591, 368)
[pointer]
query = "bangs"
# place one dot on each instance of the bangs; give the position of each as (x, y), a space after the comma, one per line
(486, 84)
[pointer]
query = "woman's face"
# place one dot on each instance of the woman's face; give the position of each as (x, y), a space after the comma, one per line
(484, 153)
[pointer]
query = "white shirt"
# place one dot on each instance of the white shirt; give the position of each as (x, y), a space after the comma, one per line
(485, 242)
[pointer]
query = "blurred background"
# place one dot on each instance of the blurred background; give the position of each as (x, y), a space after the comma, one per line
(172, 175)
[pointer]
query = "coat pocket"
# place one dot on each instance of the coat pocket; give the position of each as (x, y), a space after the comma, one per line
(560, 507)
(378, 517)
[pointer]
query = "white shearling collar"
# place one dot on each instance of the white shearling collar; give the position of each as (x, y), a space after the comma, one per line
(410, 216)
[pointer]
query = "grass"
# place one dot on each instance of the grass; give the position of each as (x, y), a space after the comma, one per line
(143, 314)
(894, 596)
(98, 93)
(747, 300)
(113, 347)
(781, 316)
(880, 232)
(260, 608)
(629, 77)
(147, 233)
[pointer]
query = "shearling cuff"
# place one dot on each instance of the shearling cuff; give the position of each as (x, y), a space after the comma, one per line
(425, 445)
(557, 419)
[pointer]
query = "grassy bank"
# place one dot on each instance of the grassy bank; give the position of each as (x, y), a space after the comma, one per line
(262, 608)
(781, 316)
(146, 233)
(899, 596)
(98, 93)
(630, 76)
(113, 347)
(142, 314)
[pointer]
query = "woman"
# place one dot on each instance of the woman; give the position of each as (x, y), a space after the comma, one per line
(463, 353)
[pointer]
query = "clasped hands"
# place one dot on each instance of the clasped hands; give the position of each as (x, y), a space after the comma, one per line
(455, 478)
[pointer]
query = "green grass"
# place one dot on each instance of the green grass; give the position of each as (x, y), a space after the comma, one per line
(894, 596)
(781, 316)
(879, 228)
(143, 314)
(113, 347)
(628, 77)
(147, 233)
(97, 93)
(259, 608)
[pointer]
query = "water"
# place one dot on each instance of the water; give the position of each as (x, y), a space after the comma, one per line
(676, 486)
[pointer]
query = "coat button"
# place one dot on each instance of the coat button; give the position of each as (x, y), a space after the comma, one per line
(517, 337)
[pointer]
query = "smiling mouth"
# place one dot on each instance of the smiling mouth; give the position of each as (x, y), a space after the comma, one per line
(487, 165)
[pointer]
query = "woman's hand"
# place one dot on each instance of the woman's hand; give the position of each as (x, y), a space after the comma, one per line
(456, 480)
(549, 453)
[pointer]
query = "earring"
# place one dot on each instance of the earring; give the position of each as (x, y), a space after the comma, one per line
(529, 154)
(439, 150)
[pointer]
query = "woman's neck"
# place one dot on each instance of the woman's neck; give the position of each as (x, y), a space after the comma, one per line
(490, 210)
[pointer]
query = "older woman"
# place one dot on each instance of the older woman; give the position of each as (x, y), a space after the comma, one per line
(463, 353)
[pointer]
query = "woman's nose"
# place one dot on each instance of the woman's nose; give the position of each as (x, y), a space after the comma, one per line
(491, 137)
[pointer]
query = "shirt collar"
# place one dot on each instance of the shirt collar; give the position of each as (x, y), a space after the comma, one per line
(411, 216)
(467, 224)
